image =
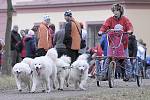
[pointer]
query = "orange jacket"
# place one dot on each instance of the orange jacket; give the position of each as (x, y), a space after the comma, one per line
(76, 39)
(44, 37)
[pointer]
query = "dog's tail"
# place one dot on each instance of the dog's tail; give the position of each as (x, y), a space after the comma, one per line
(83, 57)
(66, 59)
(52, 53)
(27, 60)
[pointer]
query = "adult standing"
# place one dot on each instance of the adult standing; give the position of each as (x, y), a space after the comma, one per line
(58, 40)
(15, 45)
(72, 37)
(44, 37)
(132, 46)
(84, 37)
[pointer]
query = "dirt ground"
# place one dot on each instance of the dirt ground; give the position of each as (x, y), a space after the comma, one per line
(121, 91)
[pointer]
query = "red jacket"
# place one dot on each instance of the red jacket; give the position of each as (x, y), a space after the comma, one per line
(98, 50)
(111, 22)
(124, 21)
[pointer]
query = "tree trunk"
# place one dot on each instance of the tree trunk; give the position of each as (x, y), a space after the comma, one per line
(6, 69)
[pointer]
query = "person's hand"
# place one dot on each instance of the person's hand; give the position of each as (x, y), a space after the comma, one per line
(100, 33)
(134, 60)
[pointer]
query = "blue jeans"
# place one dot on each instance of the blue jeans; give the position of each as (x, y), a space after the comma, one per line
(128, 66)
(98, 67)
(139, 66)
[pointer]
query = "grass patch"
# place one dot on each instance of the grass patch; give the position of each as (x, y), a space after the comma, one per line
(7, 82)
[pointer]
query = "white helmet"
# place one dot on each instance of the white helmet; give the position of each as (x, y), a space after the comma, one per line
(118, 27)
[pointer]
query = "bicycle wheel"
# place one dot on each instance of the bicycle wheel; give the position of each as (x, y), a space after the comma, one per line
(138, 80)
(111, 73)
(139, 75)
(98, 84)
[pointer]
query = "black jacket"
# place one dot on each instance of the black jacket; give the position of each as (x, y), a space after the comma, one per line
(15, 38)
(67, 38)
(132, 46)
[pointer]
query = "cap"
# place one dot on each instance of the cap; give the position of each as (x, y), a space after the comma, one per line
(45, 17)
(68, 13)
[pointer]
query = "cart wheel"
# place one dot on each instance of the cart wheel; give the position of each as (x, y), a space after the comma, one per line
(111, 73)
(138, 80)
(98, 84)
(139, 75)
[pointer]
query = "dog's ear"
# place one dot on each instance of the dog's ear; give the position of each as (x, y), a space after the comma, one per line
(74, 64)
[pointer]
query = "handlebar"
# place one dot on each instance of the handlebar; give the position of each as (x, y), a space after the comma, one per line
(100, 34)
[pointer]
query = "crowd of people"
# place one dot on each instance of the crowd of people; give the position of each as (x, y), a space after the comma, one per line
(36, 41)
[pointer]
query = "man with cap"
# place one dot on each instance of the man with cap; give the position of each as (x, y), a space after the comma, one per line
(44, 37)
(15, 41)
(72, 37)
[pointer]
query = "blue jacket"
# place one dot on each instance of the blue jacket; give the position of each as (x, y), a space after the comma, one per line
(104, 44)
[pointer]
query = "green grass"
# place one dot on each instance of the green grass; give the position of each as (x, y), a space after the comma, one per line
(7, 82)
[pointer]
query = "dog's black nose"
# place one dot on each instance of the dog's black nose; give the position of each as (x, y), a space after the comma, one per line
(37, 68)
(82, 70)
(18, 72)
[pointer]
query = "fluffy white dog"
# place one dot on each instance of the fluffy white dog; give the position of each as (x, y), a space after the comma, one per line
(79, 71)
(44, 69)
(28, 61)
(22, 73)
(63, 68)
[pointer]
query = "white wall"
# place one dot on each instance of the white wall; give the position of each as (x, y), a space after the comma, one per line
(141, 22)
(139, 18)
(26, 20)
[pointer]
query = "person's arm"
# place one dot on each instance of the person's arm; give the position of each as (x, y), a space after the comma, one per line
(67, 37)
(129, 26)
(14, 36)
(105, 26)
(67, 31)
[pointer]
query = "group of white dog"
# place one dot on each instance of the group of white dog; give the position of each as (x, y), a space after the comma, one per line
(49, 69)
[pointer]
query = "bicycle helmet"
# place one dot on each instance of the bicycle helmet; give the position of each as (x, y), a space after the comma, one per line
(68, 13)
(117, 7)
(118, 27)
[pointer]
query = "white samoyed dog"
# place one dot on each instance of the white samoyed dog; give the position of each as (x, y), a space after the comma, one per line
(22, 73)
(63, 68)
(44, 69)
(79, 72)
(28, 61)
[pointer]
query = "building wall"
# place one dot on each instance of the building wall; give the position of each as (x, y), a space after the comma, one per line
(28, 19)
(3, 19)
(139, 18)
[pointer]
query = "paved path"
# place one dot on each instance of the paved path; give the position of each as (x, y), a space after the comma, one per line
(121, 91)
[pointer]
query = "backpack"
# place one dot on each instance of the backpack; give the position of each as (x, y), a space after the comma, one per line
(83, 42)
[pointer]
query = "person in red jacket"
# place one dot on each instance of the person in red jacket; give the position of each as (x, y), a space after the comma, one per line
(117, 18)
(96, 67)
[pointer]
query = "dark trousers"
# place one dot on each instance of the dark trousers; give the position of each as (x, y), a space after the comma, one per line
(61, 51)
(15, 57)
(73, 54)
(40, 52)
